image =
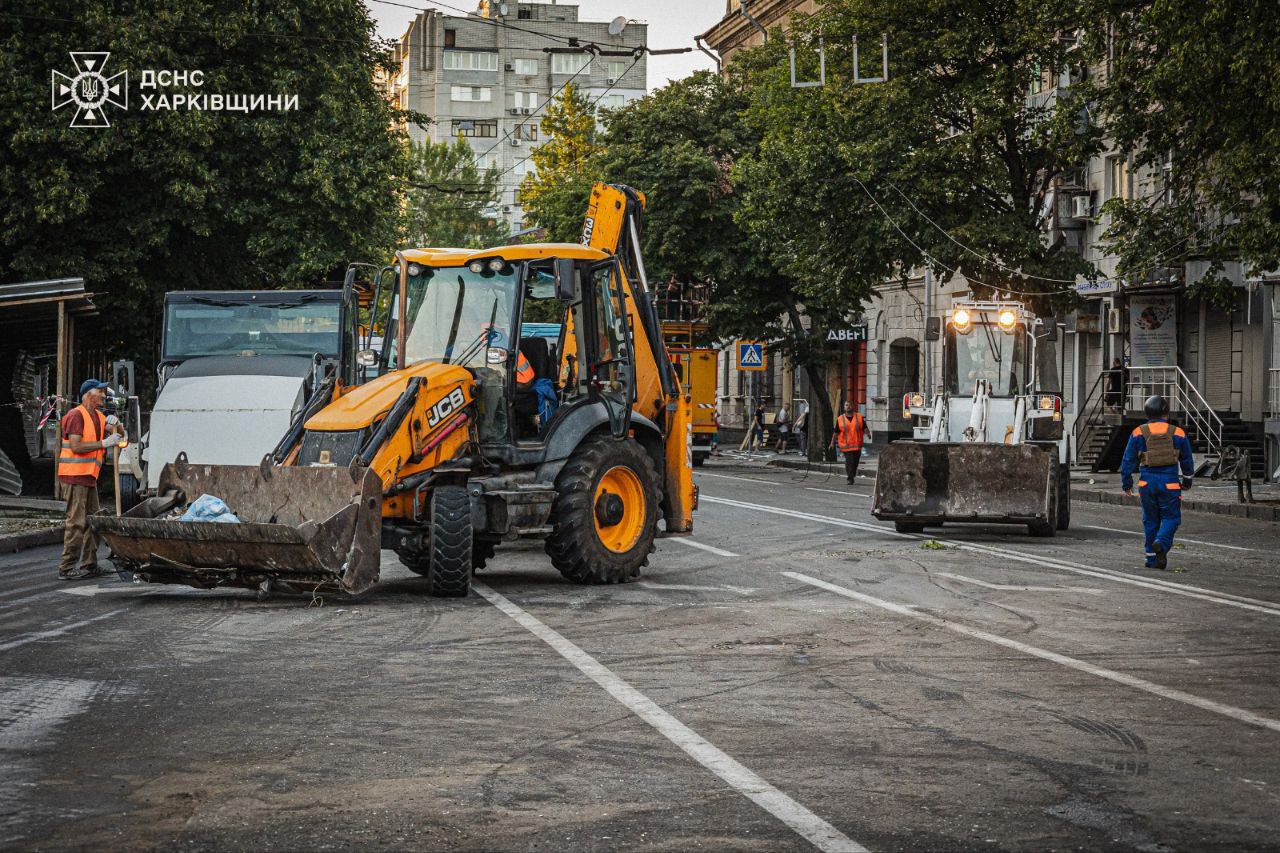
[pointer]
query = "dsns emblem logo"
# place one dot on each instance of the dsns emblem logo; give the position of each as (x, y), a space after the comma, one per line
(90, 90)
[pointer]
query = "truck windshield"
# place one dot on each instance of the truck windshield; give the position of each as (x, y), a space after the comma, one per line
(457, 315)
(985, 353)
(219, 326)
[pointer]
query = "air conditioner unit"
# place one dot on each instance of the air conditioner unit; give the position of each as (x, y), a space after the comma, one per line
(509, 67)
(611, 80)
(524, 111)
(1080, 207)
(515, 111)
(1113, 321)
(515, 143)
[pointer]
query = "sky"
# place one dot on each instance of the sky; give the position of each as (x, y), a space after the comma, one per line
(672, 23)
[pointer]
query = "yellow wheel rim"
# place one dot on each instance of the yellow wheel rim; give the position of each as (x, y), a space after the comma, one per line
(622, 536)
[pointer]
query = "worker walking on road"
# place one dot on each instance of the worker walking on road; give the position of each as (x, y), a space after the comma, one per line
(1156, 450)
(84, 443)
(851, 429)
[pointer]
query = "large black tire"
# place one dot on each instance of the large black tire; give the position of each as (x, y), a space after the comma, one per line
(575, 544)
(129, 488)
(908, 527)
(449, 557)
(1064, 497)
(698, 459)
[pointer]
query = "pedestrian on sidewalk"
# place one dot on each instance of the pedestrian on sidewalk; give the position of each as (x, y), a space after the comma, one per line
(1156, 450)
(715, 436)
(851, 430)
(756, 434)
(801, 430)
(84, 443)
(783, 422)
(1115, 384)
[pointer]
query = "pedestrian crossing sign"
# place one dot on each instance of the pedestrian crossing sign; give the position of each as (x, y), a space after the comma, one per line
(750, 355)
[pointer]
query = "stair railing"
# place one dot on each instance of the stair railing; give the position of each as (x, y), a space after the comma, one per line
(1184, 399)
(1091, 412)
(1273, 392)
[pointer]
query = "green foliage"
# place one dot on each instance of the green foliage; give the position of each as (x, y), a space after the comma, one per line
(1193, 97)
(848, 176)
(448, 196)
(166, 200)
(555, 195)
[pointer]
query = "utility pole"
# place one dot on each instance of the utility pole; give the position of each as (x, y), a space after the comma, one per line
(928, 344)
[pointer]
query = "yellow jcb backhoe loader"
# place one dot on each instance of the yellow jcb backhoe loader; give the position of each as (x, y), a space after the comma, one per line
(469, 434)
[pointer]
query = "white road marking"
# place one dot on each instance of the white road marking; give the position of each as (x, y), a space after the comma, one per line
(744, 479)
(18, 602)
(44, 585)
(740, 590)
(838, 492)
(1073, 663)
(1016, 587)
(1179, 538)
(1268, 607)
(817, 831)
(719, 552)
(56, 632)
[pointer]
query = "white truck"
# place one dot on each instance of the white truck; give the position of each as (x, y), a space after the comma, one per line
(990, 448)
(236, 368)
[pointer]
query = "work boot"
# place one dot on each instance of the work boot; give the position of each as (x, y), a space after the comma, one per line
(1162, 556)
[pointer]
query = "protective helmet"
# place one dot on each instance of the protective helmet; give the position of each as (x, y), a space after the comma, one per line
(1156, 407)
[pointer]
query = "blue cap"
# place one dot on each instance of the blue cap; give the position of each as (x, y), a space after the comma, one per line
(91, 384)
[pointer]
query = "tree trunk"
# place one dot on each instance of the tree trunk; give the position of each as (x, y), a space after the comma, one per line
(820, 428)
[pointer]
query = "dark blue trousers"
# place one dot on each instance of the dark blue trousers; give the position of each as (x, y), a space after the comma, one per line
(1161, 494)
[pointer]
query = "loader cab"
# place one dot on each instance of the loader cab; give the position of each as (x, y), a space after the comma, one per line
(987, 343)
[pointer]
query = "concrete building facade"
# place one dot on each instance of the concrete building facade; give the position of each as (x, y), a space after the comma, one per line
(487, 77)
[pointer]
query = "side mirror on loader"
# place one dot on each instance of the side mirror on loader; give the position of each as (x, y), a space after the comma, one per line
(1049, 331)
(565, 285)
(932, 328)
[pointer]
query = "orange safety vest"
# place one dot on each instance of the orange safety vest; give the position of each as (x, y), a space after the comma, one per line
(849, 432)
(524, 371)
(72, 464)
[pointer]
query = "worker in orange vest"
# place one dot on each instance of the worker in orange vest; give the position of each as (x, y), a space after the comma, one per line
(1157, 450)
(84, 443)
(851, 431)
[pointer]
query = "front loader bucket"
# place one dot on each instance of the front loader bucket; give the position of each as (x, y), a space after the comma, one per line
(932, 483)
(302, 529)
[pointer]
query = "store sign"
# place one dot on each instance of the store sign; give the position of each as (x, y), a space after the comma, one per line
(1085, 287)
(851, 333)
(1153, 331)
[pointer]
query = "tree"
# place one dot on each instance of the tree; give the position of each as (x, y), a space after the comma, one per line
(165, 200)
(555, 195)
(1191, 97)
(448, 198)
(950, 162)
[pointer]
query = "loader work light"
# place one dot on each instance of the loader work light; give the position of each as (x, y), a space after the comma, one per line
(414, 269)
(497, 264)
(476, 267)
(962, 320)
(1006, 320)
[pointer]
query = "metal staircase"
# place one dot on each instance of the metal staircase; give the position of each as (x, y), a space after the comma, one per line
(1187, 405)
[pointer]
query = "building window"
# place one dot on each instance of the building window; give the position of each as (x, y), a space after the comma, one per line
(450, 38)
(526, 100)
(471, 93)
(481, 129)
(612, 102)
(569, 63)
(1118, 181)
(615, 68)
(524, 66)
(524, 15)
(527, 132)
(470, 60)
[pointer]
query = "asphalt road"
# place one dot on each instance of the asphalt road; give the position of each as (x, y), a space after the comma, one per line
(795, 675)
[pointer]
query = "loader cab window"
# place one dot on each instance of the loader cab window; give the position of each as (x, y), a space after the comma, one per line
(986, 353)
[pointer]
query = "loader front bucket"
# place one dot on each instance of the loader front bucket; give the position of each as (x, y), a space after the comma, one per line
(925, 483)
(301, 529)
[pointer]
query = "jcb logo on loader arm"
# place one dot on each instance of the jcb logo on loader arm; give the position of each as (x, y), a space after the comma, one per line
(446, 407)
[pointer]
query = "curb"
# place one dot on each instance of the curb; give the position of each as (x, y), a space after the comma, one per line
(1256, 512)
(11, 543)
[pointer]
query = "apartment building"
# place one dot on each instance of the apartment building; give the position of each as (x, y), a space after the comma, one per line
(487, 76)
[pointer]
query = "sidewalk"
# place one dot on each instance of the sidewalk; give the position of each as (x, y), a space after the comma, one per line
(1218, 497)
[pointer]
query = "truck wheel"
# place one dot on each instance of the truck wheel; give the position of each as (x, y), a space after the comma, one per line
(698, 459)
(606, 511)
(1064, 497)
(129, 497)
(908, 527)
(449, 559)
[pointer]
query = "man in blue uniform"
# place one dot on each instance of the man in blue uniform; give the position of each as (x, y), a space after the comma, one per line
(1156, 450)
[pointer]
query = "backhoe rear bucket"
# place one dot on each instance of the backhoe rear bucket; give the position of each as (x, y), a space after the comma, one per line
(932, 483)
(302, 529)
